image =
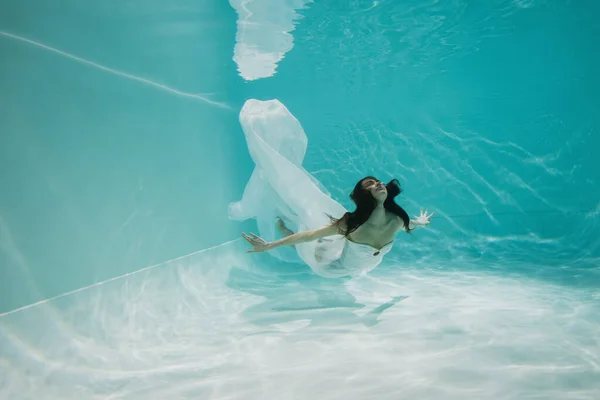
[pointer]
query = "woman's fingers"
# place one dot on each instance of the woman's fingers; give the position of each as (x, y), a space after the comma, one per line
(249, 239)
(255, 241)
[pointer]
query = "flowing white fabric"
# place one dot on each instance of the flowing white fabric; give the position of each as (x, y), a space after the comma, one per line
(280, 187)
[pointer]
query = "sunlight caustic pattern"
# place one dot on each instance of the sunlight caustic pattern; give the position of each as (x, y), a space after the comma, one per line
(209, 326)
(470, 308)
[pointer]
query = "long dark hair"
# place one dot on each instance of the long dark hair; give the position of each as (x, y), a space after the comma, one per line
(366, 203)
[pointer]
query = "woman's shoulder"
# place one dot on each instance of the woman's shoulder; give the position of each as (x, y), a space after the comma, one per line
(398, 223)
(340, 223)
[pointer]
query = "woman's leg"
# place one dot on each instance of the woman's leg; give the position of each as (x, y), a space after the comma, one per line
(285, 232)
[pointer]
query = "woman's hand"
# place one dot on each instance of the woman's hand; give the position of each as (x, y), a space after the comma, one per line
(259, 244)
(423, 219)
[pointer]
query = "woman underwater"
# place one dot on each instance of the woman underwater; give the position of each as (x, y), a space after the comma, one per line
(369, 231)
(281, 195)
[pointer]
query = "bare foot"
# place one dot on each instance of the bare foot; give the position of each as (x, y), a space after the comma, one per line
(282, 228)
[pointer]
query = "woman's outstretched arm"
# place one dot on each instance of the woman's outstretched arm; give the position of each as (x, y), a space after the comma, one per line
(260, 245)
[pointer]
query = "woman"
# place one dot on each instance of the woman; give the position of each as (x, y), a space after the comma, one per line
(369, 231)
(280, 189)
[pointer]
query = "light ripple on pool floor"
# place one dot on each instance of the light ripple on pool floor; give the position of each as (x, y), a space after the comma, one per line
(224, 324)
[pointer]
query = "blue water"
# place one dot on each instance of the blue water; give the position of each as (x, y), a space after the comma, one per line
(121, 149)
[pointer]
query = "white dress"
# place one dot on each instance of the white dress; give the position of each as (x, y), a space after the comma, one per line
(356, 259)
(281, 187)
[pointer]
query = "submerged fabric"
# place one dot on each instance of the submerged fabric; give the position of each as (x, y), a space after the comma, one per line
(356, 259)
(281, 187)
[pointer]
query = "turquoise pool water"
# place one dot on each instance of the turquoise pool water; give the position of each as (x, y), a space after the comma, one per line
(121, 275)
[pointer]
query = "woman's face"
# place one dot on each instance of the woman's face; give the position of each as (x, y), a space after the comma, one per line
(376, 188)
